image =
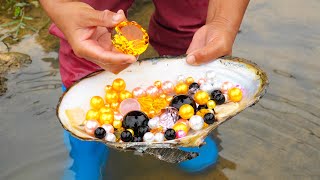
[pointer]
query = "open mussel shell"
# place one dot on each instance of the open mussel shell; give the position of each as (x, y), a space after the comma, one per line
(239, 71)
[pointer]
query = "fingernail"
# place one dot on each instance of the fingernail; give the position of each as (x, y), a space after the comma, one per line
(191, 59)
(116, 17)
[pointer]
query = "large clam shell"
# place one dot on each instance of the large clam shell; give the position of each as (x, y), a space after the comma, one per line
(236, 70)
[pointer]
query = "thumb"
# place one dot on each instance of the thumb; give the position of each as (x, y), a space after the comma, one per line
(105, 18)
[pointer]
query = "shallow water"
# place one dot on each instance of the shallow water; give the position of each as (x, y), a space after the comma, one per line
(279, 138)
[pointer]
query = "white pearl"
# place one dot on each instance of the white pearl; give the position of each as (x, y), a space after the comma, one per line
(154, 122)
(181, 78)
(110, 137)
(208, 87)
(108, 127)
(210, 75)
(196, 122)
(148, 137)
(159, 137)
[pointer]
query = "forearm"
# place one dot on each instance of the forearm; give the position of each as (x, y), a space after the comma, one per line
(229, 12)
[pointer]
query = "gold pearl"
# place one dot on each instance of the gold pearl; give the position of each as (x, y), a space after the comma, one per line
(181, 88)
(124, 95)
(107, 105)
(106, 118)
(235, 94)
(186, 111)
(189, 80)
(180, 126)
(96, 102)
(211, 104)
(203, 112)
(115, 105)
(131, 131)
(107, 88)
(119, 84)
(157, 84)
(117, 124)
(105, 109)
(92, 115)
(201, 97)
(111, 96)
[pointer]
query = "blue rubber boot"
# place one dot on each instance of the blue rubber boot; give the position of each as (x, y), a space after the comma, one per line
(87, 159)
(208, 156)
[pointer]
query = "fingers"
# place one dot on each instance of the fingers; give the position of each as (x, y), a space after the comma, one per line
(104, 18)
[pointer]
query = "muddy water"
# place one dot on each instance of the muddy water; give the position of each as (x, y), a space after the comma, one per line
(279, 138)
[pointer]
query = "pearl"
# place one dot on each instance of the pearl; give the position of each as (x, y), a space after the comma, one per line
(157, 84)
(108, 127)
(100, 133)
(211, 75)
(107, 88)
(105, 109)
(180, 127)
(219, 99)
(91, 126)
(118, 116)
(202, 112)
(180, 100)
(118, 84)
(196, 122)
(159, 137)
(184, 121)
(180, 134)
(186, 111)
(180, 78)
(142, 130)
(117, 124)
(96, 102)
(152, 91)
(130, 130)
(92, 115)
(181, 88)
(148, 137)
(135, 119)
(189, 80)
(111, 96)
(126, 136)
(115, 105)
(137, 139)
(110, 137)
(106, 118)
(208, 87)
(170, 134)
(209, 118)
(154, 122)
(211, 104)
(125, 94)
(168, 118)
(201, 81)
(167, 87)
(226, 86)
(138, 92)
(235, 94)
(201, 97)
(128, 105)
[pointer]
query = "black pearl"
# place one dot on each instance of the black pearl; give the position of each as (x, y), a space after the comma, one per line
(219, 99)
(137, 139)
(142, 130)
(170, 134)
(135, 119)
(194, 86)
(100, 133)
(180, 100)
(202, 107)
(209, 118)
(126, 136)
(215, 92)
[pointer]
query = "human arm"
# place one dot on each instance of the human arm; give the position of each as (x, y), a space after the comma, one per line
(216, 37)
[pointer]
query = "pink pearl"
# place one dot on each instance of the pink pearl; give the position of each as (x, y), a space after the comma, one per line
(226, 86)
(91, 126)
(201, 81)
(138, 92)
(152, 91)
(180, 134)
(108, 127)
(128, 105)
(118, 116)
(167, 87)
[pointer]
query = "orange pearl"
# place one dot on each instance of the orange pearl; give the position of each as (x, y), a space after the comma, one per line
(118, 84)
(181, 88)
(180, 127)
(105, 109)
(189, 80)
(92, 114)
(111, 96)
(115, 105)
(235, 94)
(186, 111)
(124, 95)
(201, 97)
(107, 88)
(96, 102)
(106, 118)
(157, 84)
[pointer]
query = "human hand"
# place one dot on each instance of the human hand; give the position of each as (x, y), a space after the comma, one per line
(210, 42)
(86, 30)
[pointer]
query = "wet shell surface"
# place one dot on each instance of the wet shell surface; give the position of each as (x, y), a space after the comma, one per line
(74, 102)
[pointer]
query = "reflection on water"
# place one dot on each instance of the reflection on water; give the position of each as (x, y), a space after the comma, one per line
(279, 138)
